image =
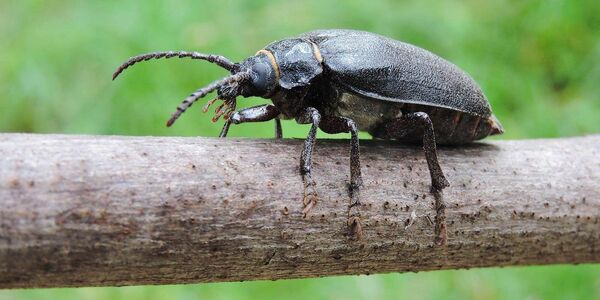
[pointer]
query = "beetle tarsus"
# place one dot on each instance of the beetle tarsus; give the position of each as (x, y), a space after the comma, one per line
(355, 228)
(354, 219)
(310, 197)
(441, 231)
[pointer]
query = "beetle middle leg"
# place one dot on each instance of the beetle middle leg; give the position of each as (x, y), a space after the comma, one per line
(335, 125)
(309, 115)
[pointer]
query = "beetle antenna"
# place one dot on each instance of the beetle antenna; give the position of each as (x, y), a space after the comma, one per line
(221, 61)
(191, 99)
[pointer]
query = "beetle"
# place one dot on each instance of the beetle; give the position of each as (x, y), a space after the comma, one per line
(343, 81)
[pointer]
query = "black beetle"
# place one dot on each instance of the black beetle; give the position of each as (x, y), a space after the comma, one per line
(345, 81)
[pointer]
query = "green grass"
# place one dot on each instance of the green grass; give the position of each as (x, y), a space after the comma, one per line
(537, 61)
(556, 282)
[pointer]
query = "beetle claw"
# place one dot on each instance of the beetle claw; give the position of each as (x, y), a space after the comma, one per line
(310, 202)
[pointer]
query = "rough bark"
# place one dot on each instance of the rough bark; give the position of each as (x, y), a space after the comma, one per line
(90, 210)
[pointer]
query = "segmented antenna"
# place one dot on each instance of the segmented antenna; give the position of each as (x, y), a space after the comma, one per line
(216, 59)
(190, 100)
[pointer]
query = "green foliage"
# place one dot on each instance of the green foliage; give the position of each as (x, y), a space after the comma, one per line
(556, 282)
(537, 61)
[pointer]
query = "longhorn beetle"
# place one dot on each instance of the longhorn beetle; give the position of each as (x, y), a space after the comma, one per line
(346, 81)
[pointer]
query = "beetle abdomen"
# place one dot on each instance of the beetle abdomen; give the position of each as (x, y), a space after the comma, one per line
(366, 112)
(451, 127)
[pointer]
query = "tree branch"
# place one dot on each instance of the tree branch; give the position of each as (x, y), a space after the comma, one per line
(92, 210)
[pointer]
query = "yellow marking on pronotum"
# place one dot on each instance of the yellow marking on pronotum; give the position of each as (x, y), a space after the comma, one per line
(317, 52)
(273, 61)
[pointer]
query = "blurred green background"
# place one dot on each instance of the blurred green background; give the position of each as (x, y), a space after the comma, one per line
(537, 61)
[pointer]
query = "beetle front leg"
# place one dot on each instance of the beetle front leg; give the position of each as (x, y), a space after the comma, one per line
(308, 116)
(225, 129)
(260, 113)
(335, 125)
(254, 114)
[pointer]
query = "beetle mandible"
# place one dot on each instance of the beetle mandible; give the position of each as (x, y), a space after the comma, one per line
(344, 81)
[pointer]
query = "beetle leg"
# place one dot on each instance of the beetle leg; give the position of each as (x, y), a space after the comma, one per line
(278, 131)
(308, 116)
(260, 113)
(231, 108)
(421, 121)
(335, 125)
(225, 129)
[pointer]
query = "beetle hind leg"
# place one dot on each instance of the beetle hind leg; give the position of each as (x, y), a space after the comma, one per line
(334, 125)
(405, 126)
(420, 121)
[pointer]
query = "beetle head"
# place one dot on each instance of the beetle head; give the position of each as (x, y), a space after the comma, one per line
(287, 64)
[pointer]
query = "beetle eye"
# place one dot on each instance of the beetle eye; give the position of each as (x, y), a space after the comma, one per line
(263, 78)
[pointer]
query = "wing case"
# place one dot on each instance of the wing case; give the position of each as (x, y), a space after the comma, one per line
(382, 68)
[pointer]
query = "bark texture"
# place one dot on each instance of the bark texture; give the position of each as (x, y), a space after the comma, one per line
(93, 210)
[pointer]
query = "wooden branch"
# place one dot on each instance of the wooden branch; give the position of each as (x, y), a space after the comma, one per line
(92, 210)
